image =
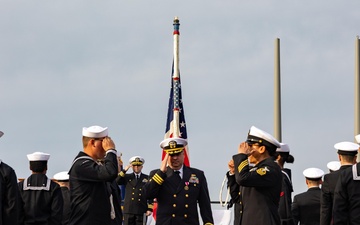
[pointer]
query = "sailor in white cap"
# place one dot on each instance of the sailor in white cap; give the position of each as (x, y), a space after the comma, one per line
(62, 178)
(346, 208)
(40, 195)
(135, 202)
(333, 166)
(179, 189)
(306, 205)
(283, 156)
(89, 179)
(347, 152)
(260, 204)
(10, 196)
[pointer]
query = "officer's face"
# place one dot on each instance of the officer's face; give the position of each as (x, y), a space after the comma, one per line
(137, 168)
(175, 161)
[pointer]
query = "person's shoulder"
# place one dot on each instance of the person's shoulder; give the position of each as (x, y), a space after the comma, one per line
(194, 170)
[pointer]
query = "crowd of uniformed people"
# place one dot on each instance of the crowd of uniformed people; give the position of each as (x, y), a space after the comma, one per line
(176, 194)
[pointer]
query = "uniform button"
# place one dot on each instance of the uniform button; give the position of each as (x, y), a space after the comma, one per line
(173, 215)
(187, 195)
(132, 199)
(186, 206)
(139, 194)
(241, 211)
(240, 203)
(139, 189)
(133, 188)
(139, 200)
(174, 205)
(185, 215)
(174, 195)
(194, 185)
(133, 193)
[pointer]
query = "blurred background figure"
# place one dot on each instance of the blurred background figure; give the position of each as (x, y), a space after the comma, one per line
(42, 200)
(306, 206)
(283, 156)
(333, 166)
(347, 152)
(62, 178)
(9, 194)
(135, 202)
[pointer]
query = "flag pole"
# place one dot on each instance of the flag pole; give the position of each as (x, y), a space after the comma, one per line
(277, 92)
(357, 89)
(176, 79)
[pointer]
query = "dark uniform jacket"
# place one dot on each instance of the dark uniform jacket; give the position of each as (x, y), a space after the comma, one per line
(9, 195)
(327, 195)
(306, 207)
(347, 197)
(135, 201)
(115, 190)
(235, 197)
(260, 190)
(286, 217)
(177, 199)
(66, 209)
(42, 201)
(90, 193)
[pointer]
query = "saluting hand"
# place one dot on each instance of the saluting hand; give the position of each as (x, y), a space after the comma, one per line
(163, 167)
(108, 144)
(244, 148)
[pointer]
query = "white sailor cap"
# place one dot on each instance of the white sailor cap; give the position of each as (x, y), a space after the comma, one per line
(256, 135)
(136, 161)
(283, 148)
(333, 165)
(1, 133)
(357, 138)
(346, 148)
(62, 176)
(38, 156)
(313, 173)
(95, 132)
(173, 145)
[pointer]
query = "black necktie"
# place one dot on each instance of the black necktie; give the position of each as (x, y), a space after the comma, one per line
(177, 174)
(137, 176)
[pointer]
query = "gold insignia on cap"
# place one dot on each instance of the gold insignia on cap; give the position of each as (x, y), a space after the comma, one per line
(172, 144)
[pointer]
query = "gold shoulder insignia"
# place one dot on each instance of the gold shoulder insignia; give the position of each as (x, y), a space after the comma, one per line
(262, 171)
(242, 165)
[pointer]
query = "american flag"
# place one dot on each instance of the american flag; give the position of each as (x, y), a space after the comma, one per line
(176, 104)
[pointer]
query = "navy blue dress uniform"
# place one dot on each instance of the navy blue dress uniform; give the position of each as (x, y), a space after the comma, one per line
(235, 197)
(135, 202)
(178, 198)
(347, 197)
(286, 217)
(40, 196)
(261, 185)
(306, 205)
(62, 178)
(90, 184)
(9, 194)
(330, 180)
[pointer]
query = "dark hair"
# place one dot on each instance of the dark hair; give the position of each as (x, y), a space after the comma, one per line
(271, 150)
(38, 166)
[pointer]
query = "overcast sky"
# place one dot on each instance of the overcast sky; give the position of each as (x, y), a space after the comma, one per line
(69, 64)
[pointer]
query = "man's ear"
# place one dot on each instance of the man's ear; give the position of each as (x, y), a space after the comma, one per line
(262, 149)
